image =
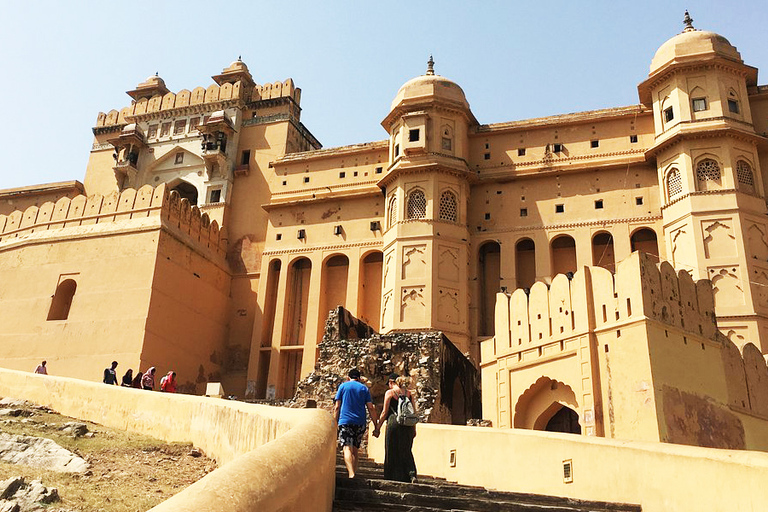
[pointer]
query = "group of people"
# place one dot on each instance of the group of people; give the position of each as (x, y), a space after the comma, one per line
(350, 404)
(141, 380)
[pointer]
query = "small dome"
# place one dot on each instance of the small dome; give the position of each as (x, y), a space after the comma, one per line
(691, 44)
(430, 85)
(153, 81)
(237, 65)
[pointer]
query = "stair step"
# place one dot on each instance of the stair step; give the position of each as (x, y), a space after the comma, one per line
(350, 506)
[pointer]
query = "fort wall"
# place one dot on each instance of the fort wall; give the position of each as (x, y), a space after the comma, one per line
(613, 347)
(263, 452)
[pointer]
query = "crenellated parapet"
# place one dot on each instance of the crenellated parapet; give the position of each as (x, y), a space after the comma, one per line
(214, 97)
(118, 210)
(594, 299)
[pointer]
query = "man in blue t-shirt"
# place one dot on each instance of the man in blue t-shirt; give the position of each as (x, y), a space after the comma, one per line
(350, 403)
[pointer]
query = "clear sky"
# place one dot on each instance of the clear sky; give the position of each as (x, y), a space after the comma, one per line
(64, 62)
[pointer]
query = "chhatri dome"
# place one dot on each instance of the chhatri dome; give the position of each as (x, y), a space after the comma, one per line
(429, 86)
(692, 45)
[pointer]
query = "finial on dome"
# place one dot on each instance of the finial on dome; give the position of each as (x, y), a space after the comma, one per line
(157, 73)
(431, 66)
(239, 58)
(688, 22)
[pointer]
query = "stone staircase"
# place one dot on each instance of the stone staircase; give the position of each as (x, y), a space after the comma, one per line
(369, 492)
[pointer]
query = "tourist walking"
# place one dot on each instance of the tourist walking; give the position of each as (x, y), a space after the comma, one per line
(110, 376)
(168, 382)
(398, 440)
(148, 380)
(350, 403)
(127, 381)
(41, 369)
(137, 381)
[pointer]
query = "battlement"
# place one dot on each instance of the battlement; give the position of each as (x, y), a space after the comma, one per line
(117, 208)
(211, 97)
(594, 299)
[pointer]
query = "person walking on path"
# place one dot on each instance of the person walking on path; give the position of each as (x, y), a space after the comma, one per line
(351, 401)
(398, 440)
(41, 369)
(148, 380)
(110, 376)
(137, 380)
(127, 379)
(168, 383)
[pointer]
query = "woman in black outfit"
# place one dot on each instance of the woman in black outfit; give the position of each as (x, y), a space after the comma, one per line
(398, 440)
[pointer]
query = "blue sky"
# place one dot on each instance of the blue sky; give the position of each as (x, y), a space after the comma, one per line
(63, 62)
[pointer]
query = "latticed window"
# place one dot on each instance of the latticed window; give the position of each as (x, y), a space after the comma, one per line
(707, 171)
(417, 205)
(674, 183)
(448, 207)
(392, 212)
(745, 176)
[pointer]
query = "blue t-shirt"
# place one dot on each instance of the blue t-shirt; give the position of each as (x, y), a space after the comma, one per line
(353, 395)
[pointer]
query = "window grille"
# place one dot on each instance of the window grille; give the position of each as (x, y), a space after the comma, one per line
(708, 170)
(392, 212)
(674, 183)
(745, 176)
(448, 207)
(417, 205)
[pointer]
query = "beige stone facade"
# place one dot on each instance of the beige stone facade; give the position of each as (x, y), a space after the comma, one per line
(418, 231)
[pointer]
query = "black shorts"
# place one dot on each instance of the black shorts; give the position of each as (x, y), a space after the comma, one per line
(351, 435)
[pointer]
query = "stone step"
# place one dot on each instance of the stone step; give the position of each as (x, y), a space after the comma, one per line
(449, 489)
(349, 506)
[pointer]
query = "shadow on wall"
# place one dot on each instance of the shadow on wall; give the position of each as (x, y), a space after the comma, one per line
(446, 383)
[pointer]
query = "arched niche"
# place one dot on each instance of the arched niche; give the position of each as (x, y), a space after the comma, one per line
(333, 286)
(369, 308)
(645, 240)
(62, 300)
(525, 262)
(489, 279)
(297, 301)
(563, 250)
(602, 251)
(186, 191)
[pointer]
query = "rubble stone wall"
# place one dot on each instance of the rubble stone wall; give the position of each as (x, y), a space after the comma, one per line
(444, 381)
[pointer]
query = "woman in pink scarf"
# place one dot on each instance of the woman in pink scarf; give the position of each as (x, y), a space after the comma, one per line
(148, 380)
(168, 383)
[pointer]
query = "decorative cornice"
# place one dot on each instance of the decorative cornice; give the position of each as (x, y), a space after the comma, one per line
(574, 118)
(304, 250)
(723, 130)
(719, 192)
(554, 227)
(100, 147)
(113, 128)
(200, 108)
(266, 119)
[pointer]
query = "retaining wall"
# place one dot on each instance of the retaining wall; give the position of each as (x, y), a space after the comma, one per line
(270, 458)
(661, 477)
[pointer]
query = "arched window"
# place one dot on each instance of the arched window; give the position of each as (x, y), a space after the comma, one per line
(417, 205)
(392, 212)
(745, 177)
(602, 251)
(674, 183)
(563, 250)
(644, 239)
(448, 207)
(62, 300)
(525, 263)
(708, 174)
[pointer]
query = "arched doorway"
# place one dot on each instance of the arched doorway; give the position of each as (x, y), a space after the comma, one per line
(644, 239)
(297, 302)
(525, 263)
(541, 402)
(489, 276)
(563, 255)
(186, 191)
(333, 287)
(565, 420)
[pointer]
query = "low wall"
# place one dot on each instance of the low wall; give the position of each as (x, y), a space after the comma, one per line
(660, 477)
(271, 458)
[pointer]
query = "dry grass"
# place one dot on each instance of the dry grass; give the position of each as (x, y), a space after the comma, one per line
(129, 472)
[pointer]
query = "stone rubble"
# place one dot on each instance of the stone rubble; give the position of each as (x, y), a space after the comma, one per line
(19, 496)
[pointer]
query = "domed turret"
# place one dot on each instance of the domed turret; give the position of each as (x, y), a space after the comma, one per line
(236, 72)
(693, 44)
(429, 87)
